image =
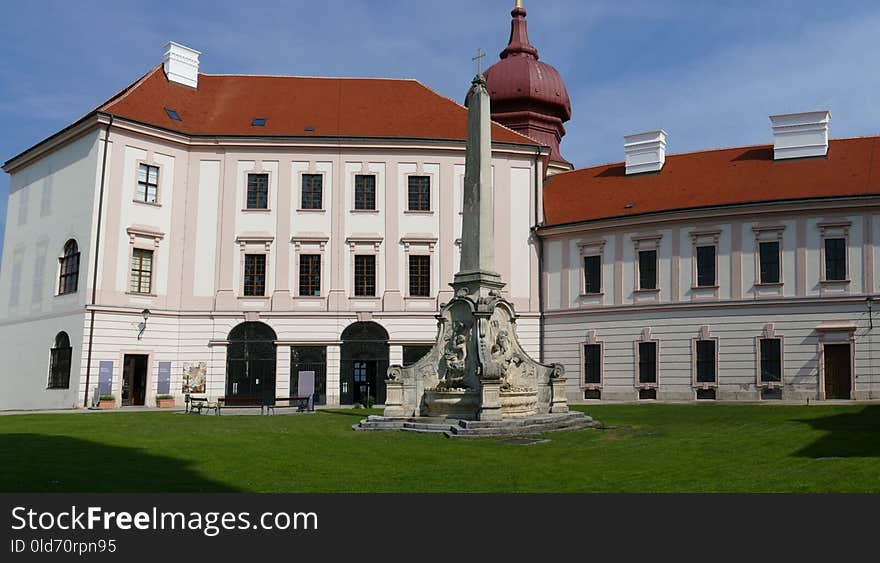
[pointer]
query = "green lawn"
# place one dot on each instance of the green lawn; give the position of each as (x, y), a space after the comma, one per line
(645, 448)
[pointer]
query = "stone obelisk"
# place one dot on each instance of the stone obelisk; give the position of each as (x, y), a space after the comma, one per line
(477, 369)
(477, 272)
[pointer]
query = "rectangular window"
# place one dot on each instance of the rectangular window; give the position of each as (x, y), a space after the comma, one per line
(768, 253)
(141, 271)
(592, 364)
(365, 192)
(592, 274)
(258, 191)
(310, 275)
(312, 191)
(365, 275)
(420, 276)
(414, 353)
(254, 275)
(835, 259)
(148, 183)
(59, 368)
(647, 362)
(419, 193)
(705, 350)
(771, 360)
(705, 266)
(647, 269)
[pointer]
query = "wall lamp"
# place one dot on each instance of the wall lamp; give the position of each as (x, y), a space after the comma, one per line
(869, 301)
(146, 315)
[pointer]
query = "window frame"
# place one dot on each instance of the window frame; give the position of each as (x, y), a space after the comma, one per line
(591, 340)
(149, 164)
(152, 272)
(65, 272)
(355, 199)
(56, 351)
(144, 238)
(704, 239)
(247, 191)
(409, 275)
(302, 191)
(299, 289)
(704, 336)
(375, 293)
(646, 338)
(596, 258)
(244, 274)
(759, 359)
(309, 244)
(430, 181)
(834, 230)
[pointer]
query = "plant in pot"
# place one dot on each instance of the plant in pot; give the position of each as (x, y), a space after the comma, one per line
(165, 401)
(107, 402)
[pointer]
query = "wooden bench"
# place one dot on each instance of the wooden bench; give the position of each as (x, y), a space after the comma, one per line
(195, 405)
(242, 403)
(303, 403)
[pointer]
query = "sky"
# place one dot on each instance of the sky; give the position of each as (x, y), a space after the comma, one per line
(707, 72)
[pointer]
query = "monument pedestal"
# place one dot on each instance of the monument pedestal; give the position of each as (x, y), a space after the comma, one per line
(490, 400)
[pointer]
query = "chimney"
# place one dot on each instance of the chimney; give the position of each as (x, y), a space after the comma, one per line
(181, 64)
(799, 135)
(645, 152)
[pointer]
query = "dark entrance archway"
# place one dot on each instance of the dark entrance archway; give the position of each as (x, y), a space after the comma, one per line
(250, 362)
(364, 363)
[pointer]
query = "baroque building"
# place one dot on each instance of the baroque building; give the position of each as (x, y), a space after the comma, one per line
(219, 234)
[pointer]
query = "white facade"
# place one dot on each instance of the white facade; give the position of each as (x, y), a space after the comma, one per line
(199, 230)
(804, 310)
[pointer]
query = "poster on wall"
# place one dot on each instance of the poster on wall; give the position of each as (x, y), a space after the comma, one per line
(164, 385)
(105, 378)
(194, 377)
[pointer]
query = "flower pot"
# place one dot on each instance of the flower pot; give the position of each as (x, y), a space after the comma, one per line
(165, 403)
(104, 404)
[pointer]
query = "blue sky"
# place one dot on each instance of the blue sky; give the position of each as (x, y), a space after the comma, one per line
(709, 73)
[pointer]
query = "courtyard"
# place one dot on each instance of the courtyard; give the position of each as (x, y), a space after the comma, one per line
(641, 448)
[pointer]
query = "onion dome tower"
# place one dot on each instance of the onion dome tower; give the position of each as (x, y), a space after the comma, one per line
(528, 95)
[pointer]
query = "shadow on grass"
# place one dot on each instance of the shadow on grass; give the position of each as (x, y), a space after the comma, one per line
(43, 463)
(847, 435)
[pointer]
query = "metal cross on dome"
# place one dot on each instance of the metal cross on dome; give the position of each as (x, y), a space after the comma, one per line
(479, 60)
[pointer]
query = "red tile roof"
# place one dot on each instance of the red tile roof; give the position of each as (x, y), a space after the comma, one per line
(298, 106)
(713, 178)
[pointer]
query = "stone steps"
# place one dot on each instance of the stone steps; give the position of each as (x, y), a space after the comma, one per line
(452, 428)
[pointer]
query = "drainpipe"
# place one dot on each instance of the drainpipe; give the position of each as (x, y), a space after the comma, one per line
(95, 275)
(539, 249)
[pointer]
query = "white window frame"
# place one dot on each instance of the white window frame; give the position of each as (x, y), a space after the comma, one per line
(587, 249)
(646, 337)
(144, 238)
(699, 239)
(159, 178)
(769, 233)
(270, 189)
(255, 244)
(704, 334)
(643, 243)
(834, 230)
(592, 339)
(769, 333)
(422, 246)
(309, 245)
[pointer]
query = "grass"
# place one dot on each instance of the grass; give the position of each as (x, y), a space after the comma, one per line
(645, 448)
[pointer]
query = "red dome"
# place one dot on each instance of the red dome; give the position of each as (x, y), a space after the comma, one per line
(528, 95)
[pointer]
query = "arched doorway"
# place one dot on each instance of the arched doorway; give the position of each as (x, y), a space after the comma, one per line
(364, 363)
(250, 362)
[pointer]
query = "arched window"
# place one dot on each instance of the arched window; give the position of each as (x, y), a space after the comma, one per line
(69, 277)
(59, 362)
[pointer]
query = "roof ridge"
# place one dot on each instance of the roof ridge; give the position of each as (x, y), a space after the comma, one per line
(311, 77)
(703, 151)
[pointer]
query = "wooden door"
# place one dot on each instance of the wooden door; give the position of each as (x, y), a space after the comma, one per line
(838, 371)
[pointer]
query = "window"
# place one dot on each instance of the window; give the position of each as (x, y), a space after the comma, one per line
(647, 269)
(419, 193)
(365, 275)
(771, 360)
(68, 278)
(310, 275)
(835, 259)
(705, 362)
(420, 275)
(312, 190)
(148, 183)
(593, 274)
(59, 362)
(705, 266)
(173, 114)
(254, 275)
(647, 362)
(258, 191)
(258, 122)
(314, 359)
(769, 256)
(141, 270)
(592, 364)
(365, 192)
